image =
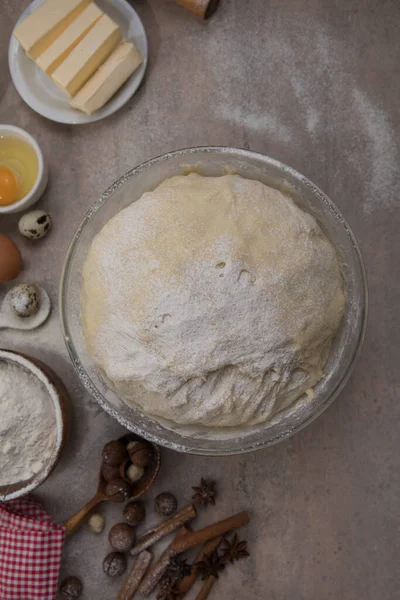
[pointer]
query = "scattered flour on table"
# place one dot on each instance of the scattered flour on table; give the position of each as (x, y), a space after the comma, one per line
(27, 424)
(382, 151)
(258, 122)
(290, 102)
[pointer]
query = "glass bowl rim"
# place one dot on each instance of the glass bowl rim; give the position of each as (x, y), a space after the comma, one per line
(86, 380)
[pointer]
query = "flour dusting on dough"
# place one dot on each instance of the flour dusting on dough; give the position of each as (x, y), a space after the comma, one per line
(217, 294)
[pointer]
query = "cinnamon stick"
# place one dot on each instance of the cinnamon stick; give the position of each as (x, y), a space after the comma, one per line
(201, 8)
(134, 578)
(206, 589)
(185, 540)
(187, 513)
(194, 538)
(187, 582)
(157, 571)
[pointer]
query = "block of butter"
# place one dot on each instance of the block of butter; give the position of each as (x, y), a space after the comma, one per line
(112, 74)
(38, 31)
(69, 39)
(87, 56)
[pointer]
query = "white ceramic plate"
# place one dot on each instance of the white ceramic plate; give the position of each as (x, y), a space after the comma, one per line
(43, 96)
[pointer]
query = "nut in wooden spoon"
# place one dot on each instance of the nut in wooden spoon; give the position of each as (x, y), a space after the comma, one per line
(117, 481)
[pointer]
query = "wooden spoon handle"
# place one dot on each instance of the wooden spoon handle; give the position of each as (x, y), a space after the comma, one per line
(78, 518)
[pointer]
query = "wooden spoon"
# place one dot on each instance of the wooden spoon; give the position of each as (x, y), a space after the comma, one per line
(138, 488)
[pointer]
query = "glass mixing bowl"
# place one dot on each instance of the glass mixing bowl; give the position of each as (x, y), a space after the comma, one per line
(212, 161)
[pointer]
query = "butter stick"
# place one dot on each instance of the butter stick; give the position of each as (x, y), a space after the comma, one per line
(108, 79)
(41, 28)
(87, 56)
(69, 39)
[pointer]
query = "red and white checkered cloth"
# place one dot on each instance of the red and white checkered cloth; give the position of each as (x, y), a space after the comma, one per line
(30, 551)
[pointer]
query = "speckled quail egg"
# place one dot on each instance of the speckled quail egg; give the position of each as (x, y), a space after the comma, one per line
(35, 224)
(25, 300)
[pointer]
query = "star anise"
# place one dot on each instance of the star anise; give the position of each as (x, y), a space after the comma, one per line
(210, 566)
(205, 493)
(179, 568)
(167, 589)
(234, 549)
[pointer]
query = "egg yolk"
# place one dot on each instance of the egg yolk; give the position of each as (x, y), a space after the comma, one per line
(8, 187)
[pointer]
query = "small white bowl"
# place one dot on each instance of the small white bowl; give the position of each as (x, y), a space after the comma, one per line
(60, 404)
(42, 178)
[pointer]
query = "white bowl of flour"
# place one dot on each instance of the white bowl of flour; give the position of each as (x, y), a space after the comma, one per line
(33, 423)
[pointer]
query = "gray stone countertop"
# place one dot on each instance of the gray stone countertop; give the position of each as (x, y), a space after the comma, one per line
(315, 84)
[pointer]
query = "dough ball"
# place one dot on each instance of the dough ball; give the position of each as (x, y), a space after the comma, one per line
(218, 295)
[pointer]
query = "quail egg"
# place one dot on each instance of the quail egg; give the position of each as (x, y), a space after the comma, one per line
(24, 300)
(35, 224)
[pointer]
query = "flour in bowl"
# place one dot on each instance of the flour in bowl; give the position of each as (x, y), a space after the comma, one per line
(217, 294)
(27, 424)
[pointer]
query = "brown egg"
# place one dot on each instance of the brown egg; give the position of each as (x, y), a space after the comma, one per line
(10, 259)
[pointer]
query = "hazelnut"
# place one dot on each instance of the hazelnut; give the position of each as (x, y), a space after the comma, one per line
(96, 523)
(71, 588)
(109, 473)
(132, 445)
(122, 537)
(114, 564)
(114, 453)
(130, 472)
(134, 513)
(165, 504)
(118, 490)
(140, 453)
(134, 473)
